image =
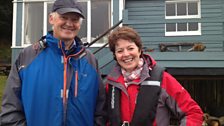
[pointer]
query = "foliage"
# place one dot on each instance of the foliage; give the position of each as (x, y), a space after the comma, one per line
(2, 86)
(5, 51)
(6, 10)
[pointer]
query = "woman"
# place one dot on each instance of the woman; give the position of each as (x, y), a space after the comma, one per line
(135, 95)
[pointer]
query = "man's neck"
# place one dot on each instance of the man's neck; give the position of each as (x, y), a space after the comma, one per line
(68, 44)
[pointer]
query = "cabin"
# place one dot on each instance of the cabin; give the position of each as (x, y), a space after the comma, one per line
(185, 36)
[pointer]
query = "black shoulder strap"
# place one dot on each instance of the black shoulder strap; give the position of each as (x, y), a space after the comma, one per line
(157, 73)
(113, 103)
(147, 100)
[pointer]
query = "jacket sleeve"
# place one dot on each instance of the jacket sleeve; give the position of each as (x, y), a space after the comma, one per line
(100, 113)
(180, 102)
(12, 110)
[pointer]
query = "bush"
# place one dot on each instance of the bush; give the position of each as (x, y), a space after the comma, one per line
(5, 51)
(2, 86)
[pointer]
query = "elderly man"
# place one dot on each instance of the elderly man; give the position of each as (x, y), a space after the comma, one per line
(55, 82)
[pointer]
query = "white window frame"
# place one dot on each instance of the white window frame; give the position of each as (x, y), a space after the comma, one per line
(184, 33)
(187, 17)
(45, 21)
(14, 24)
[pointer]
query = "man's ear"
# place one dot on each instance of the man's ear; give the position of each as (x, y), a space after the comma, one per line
(51, 19)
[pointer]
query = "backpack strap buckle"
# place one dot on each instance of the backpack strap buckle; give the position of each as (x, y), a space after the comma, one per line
(125, 123)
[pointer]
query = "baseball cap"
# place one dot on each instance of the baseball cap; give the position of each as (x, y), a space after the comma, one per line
(65, 6)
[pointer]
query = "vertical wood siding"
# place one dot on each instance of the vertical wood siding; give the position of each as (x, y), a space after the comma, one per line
(207, 91)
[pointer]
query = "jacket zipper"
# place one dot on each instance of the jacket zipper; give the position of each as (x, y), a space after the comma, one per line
(65, 92)
(65, 80)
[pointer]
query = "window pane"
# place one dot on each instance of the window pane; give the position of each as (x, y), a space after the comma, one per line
(170, 9)
(192, 9)
(49, 8)
(83, 31)
(33, 22)
(193, 26)
(181, 9)
(171, 27)
(182, 27)
(100, 17)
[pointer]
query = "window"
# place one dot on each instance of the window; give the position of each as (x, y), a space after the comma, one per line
(97, 20)
(179, 29)
(183, 10)
(100, 23)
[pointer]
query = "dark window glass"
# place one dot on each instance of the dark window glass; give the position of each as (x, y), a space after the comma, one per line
(33, 22)
(83, 30)
(49, 8)
(170, 9)
(181, 9)
(192, 9)
(171, 27)
(182, 27)
(193, 26)
(100, 18)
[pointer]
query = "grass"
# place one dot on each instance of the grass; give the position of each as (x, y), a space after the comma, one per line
(2, 86)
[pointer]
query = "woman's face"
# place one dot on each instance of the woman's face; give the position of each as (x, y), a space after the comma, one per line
(127, 54)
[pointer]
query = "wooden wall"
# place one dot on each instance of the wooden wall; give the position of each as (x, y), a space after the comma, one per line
(208, 91)
(148, 18)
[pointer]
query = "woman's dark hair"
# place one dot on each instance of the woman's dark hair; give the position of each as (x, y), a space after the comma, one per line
(125, 33)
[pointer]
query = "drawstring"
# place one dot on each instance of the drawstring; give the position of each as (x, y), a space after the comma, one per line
(76, 84)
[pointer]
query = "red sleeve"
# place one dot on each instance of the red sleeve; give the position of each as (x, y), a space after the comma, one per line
(181, 103)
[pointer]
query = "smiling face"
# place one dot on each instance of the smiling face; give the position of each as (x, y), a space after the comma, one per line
(65, 26)
(127, 54)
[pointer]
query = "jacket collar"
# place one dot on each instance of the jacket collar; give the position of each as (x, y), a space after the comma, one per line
(58, 45)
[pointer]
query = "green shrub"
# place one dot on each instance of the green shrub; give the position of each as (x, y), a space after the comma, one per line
(2, 86)
(5, 51)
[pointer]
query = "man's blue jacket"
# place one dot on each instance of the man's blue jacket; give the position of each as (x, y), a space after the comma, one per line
(49, 86)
